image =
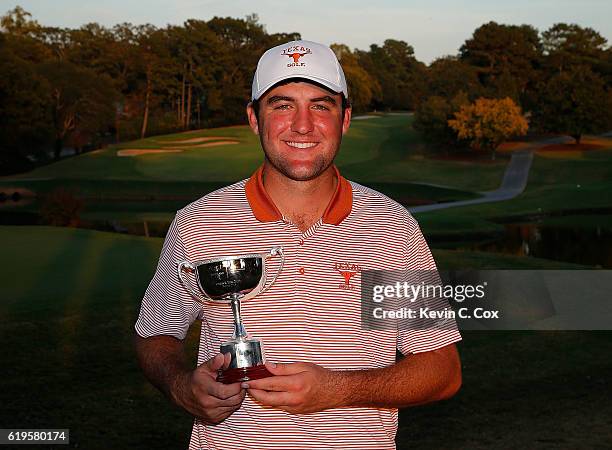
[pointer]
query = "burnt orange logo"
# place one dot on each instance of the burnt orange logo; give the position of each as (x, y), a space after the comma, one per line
(347, 271)
(296, 52)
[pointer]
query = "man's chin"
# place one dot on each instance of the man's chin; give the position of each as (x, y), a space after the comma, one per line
(303, 173)
(300, 172)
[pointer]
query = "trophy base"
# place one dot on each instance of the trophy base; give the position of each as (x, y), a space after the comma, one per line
(243, 374)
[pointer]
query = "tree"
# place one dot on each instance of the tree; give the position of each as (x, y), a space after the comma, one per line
(432, 116)
(362, 87)
(448, 76)
(155, 69)
(506, 57)
(18, 22)
(242, 42)
(570, 45)
(575, 102)
(24, 112)
(487, 123)
(400, 75)
(81, 101)
(23, 35)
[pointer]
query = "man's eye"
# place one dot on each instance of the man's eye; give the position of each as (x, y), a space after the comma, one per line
(282, 107)
(321, 107)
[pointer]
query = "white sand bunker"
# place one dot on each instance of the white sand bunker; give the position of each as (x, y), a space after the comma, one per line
(144, 151)
(214, 144)
(193, 140)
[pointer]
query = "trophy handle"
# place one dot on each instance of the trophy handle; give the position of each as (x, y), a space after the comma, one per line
(186, 266)
(274, 251)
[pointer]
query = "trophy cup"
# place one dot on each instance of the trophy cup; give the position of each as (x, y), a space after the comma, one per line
(232, 279)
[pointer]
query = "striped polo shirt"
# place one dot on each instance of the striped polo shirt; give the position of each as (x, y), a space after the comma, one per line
(311, 313)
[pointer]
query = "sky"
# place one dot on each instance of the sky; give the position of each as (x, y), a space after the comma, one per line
(434, 28)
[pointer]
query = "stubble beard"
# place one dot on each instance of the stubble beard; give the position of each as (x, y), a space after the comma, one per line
(319, 166)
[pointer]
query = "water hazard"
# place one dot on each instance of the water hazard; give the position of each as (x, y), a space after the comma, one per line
(590, 246)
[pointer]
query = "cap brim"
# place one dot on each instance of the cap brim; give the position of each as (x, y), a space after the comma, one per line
(332, 87)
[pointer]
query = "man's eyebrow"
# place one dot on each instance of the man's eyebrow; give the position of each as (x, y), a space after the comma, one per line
(279, 98)
(325, 98)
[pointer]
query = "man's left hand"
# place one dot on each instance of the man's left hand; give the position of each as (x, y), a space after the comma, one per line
(298, 388)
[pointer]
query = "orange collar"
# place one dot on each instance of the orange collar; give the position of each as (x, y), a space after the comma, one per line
(265, 210)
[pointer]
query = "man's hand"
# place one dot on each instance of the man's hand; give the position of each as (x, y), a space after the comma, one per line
(297, 388)
(199, 393)
(417, 379)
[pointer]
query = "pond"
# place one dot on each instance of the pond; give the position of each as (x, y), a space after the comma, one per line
(590, 246)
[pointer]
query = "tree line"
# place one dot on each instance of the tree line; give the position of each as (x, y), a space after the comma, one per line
(94, 85)
(561, 78)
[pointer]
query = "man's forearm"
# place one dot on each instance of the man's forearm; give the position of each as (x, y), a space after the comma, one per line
(162, 360)
(416, 379)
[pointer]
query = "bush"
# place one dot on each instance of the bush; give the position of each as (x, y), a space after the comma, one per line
(61, 208)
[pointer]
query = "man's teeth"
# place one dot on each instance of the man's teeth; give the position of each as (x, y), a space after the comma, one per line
(301, 144)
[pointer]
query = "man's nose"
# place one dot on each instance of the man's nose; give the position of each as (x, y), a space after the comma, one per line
(302, 121)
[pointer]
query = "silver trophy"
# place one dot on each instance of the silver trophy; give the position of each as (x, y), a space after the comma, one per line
(232, 279)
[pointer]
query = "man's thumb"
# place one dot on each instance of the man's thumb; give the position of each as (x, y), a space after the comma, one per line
(215, 363)
(280, 368)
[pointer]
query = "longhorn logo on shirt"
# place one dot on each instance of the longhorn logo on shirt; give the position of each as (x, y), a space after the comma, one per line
(348, 271)
(296, 52)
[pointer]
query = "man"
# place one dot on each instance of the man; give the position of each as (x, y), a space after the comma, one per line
(335, 384)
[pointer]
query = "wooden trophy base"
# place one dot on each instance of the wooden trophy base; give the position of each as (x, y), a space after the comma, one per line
(241, 374)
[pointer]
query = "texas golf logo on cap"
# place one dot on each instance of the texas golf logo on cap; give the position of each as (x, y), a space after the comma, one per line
(296, 52)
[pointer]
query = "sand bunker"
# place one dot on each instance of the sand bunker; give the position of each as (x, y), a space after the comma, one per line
(144, 151)
(193, 140)
(208, 144)
(214, 144)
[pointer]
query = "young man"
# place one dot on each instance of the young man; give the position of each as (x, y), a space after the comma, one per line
(335, 384)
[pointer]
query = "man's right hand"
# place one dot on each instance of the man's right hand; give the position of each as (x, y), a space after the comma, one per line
(199, 393)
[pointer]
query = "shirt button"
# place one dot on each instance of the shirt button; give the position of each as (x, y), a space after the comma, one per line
(301, 270)
(301, 242)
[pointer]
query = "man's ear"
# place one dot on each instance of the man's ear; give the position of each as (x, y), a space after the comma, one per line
(346, 123)
(253, 123)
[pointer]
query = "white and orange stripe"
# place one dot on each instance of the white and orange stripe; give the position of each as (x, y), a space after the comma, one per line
(307, 315)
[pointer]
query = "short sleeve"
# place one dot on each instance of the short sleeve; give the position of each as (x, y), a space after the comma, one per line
(167, 307)
(424, 339)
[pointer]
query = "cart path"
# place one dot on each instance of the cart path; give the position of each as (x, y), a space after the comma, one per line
(513, 183)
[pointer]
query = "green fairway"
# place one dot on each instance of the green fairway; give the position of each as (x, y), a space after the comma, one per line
(70, 298)
(385, 150)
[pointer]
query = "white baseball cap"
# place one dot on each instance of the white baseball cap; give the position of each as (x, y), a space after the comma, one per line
(298, 59)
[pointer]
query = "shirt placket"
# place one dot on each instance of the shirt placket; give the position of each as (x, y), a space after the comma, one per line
(297, 257)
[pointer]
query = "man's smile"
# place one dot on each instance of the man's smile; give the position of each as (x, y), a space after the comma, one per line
(300, 144)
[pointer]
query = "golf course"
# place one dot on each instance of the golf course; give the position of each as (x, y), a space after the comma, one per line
(71, 294)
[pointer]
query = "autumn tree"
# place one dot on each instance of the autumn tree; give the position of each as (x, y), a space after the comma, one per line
(487, 123)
